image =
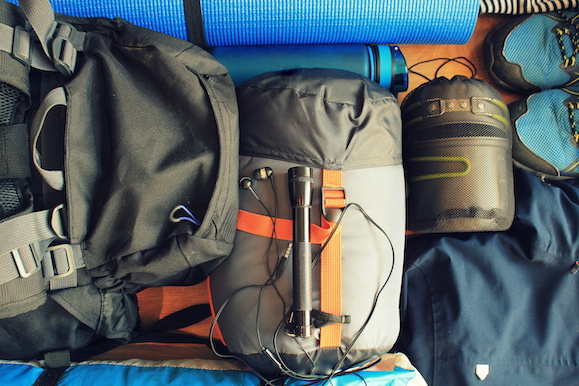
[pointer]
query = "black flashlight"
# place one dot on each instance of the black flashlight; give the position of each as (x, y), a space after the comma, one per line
(301, 187)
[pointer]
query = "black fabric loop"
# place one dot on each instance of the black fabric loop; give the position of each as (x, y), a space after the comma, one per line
(322, 319)
(194, 22)
(181, 319)
(50, 376)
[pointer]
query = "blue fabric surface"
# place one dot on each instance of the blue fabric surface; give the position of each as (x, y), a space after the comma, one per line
(243, 22)
(505, 299)
(167, 16)
(256, 22)
(86, 375)
(534, 47)
(155, 373)
(546, 128)
(18, 374)
(398, 377)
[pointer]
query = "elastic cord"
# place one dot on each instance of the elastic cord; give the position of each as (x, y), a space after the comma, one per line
(459, 59)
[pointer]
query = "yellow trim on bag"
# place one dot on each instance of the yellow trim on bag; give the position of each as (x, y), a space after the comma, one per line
(434, 176)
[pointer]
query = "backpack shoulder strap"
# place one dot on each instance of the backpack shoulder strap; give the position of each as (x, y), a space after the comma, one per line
(31, 37)
(59, 41)
(23, 241)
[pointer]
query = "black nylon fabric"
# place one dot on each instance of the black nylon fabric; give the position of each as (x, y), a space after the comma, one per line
(194, 20)
(152, 143)
(69, 319)
(340, 132)
(506, 299)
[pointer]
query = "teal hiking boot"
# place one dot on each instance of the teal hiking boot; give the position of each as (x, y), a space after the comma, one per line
(535, 52)
(546, 133)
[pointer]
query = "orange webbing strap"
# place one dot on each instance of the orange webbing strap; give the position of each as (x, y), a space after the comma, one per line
(333, 197)
(217, 330)
(331, 261)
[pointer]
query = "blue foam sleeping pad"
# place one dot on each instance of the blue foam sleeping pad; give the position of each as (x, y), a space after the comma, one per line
(257, 22)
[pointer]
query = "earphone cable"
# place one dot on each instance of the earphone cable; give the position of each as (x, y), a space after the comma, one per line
(459, 59)
(336, 370)
(271, 281)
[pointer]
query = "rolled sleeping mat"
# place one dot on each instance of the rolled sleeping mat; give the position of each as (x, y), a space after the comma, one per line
(166, 16)
(384, 64)
(253, 22)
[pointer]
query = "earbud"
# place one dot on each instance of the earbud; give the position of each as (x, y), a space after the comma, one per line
(263, 173)
(245, 183)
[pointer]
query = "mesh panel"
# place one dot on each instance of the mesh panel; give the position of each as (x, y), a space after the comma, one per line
(11, 191)
(535, 48)
(10, 199)
(458, 164)
(453, 131)
(546, 130)
(9, 98)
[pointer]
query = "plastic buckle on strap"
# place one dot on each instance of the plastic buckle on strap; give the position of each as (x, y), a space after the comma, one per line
(21, 45)
(20, 264)
(332, 193)
(64, 53)
(69, 259)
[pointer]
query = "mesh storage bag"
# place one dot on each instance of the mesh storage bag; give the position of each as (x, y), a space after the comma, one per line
(457, 156)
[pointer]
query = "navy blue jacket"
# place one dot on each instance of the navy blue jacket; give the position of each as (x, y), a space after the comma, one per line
(502, 303)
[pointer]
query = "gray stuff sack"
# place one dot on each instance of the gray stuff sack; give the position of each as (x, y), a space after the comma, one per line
(330, 121)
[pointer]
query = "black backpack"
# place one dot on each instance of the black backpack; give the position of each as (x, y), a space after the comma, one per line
(118, 171)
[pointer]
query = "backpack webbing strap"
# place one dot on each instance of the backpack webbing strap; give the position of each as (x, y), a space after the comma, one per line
(333, 199)
(17, 42)
(41, 17)
(56, 364)
(24, 240)
(19, 232)
(194, 22)
(60, 41)
(45, 119)
(60, 266)
(50, 376)
(60, 269)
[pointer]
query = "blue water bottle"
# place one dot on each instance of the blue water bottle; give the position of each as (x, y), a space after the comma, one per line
(381, 63)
